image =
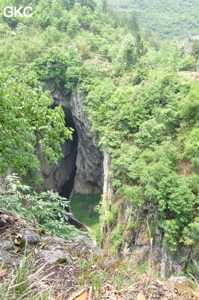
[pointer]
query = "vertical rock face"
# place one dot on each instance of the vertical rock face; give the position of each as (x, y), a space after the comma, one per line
(56, 176)
(107, 188)
(143, 239)
(89, 161)
(81, 154)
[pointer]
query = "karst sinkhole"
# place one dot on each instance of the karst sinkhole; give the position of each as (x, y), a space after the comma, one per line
(81, 169)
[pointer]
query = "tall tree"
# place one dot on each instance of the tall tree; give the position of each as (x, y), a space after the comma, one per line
(27, 120)
(195, 50)
(133, 22)
(139, 46)
(104, 5)
(127, 51)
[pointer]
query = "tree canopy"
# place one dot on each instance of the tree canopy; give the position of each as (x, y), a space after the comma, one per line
(28, 121)
(167, 18)
(140, 94)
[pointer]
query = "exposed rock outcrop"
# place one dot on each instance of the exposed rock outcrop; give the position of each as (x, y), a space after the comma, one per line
(89, 161)
(16, 234)
(55, 176)
(82, 154)
(142, 238)
(64, 266)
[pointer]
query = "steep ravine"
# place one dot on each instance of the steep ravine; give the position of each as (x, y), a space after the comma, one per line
(85, 170)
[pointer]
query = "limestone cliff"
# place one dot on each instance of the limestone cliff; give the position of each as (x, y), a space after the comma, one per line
(135, 233)
(87, 170)
(81, 169)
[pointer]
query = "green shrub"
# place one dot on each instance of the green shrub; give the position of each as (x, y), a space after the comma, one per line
(188, 64)
(116, 237)
(46, 209)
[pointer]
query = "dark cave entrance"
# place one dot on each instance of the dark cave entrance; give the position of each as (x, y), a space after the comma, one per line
(80, 170)
(66, 189)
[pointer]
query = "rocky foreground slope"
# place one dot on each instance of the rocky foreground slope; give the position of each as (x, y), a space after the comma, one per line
(47, 267)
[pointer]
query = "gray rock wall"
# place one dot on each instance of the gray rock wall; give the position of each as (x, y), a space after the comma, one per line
(144, 240)
(89, 161)
(86, 156)
(55, 176)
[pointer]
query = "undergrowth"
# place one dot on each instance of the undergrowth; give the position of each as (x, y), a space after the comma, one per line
(83, 208)
(46, 210)
(24, 282)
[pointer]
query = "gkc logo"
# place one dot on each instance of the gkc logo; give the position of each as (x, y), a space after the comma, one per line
(10, 12)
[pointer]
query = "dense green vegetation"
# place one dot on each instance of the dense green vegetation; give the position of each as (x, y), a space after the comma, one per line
(83, 208)
(45, 211)
(167, 18)
(27, 120)
(144, 110)
(151, 133)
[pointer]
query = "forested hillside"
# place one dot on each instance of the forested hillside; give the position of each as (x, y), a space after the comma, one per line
(141, 96)
(168, 19)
